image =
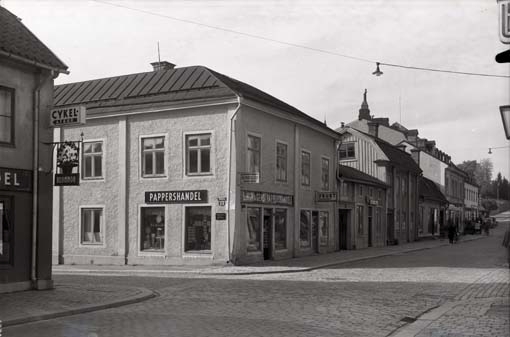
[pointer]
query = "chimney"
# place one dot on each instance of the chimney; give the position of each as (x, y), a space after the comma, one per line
(415, 153)
(162, 65)
(412, 136)
(364, 112)
(373, 129)
(342, 124)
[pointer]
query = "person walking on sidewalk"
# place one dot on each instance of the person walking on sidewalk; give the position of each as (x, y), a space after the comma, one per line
(451, 230)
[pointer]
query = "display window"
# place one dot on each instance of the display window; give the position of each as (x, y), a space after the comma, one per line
(280, 229)
(198, 229)
(91, 226)
(152, 229)
(324, 227)
(253, 232)
(305, 229)
(6, 230)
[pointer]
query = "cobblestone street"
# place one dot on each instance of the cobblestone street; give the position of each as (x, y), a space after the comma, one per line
(467, 282)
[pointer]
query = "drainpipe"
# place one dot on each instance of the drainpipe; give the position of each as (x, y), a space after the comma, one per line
(232, 130)
(35, 179)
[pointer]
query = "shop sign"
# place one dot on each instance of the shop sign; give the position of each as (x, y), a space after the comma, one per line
(250, 178)
(68, 154)
(176, 197)
(372, 202)
(74, 115)
(326, 196)
(221, 216)
(267, 198)
(15, 180)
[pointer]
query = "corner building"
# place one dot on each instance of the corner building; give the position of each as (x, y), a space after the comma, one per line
(189, 166)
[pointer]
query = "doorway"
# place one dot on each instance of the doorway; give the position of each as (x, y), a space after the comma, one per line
(343, 218)
(390, 223)
(370, 221)
(315, 231)
(268, 234)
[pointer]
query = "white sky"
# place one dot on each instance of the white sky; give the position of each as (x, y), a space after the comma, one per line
(460, 112)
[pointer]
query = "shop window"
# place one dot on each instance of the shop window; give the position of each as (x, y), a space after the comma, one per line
(153, 157)
(253, 154)
(152, 229)
(305, 168)
(6, 230)
(6, 115)
(305, 229)
(198, 229)
(360, 219)
(325, 174)
(346, 151)
(253, 232)
(280, 229)
(324, 228)
(92, 161)
(91, 225)
(198, 154)
(281, 162)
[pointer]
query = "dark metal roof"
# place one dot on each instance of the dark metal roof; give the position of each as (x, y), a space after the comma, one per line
(18, 40)
(397, 157)
(430, 191)
(173, 85)
(351, 174)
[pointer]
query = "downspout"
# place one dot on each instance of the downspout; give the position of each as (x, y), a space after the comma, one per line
(232, 130)
(35, 183)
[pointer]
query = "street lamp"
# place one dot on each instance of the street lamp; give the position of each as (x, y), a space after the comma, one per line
(505, 116)
(377, 71)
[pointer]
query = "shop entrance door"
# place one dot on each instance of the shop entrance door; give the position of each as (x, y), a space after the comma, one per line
(343, 218)
(268, 234)
(370, 222)
(315, 231)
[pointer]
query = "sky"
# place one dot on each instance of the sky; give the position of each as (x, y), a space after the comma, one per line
(460, 112)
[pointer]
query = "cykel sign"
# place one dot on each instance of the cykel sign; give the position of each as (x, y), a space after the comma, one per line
(74, 115)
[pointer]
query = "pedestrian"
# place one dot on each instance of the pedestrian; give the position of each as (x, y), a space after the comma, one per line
(451, 230)
(486, 228)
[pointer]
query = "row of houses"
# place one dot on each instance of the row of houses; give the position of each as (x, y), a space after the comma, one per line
(189, 166)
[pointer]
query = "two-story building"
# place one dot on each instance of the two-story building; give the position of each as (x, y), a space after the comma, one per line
(454, 187)
(186, 165)
(471, 203)
(27, 71)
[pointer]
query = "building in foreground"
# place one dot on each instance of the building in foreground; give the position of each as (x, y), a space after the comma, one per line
(186, 165)
(27, 70)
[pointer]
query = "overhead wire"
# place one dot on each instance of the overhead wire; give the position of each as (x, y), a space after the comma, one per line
(296, 45)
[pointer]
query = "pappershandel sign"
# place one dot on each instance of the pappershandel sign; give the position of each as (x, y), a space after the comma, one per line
(176, 197)
(74, 115)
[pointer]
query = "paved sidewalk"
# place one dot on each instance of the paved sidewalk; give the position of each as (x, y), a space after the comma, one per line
(65, 300)
(300, 264)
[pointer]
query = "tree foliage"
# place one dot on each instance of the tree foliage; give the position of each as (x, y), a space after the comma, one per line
(481, 173)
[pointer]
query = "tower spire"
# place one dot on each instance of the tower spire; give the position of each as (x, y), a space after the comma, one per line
(364, 112)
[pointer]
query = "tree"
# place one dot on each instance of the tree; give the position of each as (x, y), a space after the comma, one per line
(483, 175)
(489, 205)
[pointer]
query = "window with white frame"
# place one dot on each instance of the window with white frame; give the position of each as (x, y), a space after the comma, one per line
(153, 156)
(198, 154)
(347, 151)
(152, 229)
(281, 162)
(6, 115)
(92, 225)
(198, 228)
(305, 168)
(325, 174)
(253, 154)
(92, 160)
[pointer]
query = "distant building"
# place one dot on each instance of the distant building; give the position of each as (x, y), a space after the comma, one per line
(454, 186)
(471, 200)
(186, 165)
(27, 71)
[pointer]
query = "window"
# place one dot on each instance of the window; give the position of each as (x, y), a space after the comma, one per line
(92, 160)
(253, 232)
(281, 162)
(253, 154)
(152, 229)
(91, 225)
(6, 115)
(324, 228)
(280, 229)
(198, 229)
(325, 174)
(346, 151)
(360, 190)
(304, 229)
(6, 231)
(360, 219)
(198, 154)
(153, 157)
(305, 168)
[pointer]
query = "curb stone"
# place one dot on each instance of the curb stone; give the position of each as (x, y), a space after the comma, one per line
(144, 294)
